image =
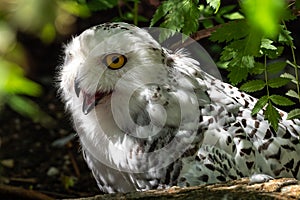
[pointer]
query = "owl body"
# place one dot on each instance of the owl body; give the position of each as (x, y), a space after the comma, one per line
(150, 118)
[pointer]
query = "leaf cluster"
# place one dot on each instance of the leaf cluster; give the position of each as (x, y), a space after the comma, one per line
(270, 51)
(267, 101)
(253, 35)
(186, 16)
(249, 42)
(16, 90)
(178, 16)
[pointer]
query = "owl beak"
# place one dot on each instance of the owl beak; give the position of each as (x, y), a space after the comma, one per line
(89, 100)
(77, 87)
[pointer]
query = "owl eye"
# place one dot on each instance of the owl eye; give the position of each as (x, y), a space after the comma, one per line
(114, 61)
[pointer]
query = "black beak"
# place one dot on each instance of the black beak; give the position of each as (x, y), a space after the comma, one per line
(89, 101)
(77, 87)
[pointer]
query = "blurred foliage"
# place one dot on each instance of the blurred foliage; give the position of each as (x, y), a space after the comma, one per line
(265, 15)
(68, 181)
(29, 17)
(44, 19)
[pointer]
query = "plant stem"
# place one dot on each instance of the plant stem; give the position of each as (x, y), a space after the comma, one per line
(296, 72)
(294, 63)
(120, 11)
(135, 12)
(266, 76)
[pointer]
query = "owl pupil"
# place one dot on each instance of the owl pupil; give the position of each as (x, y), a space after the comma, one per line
(115, 59)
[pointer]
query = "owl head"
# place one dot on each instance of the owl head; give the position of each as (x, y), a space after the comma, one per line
(110, 54)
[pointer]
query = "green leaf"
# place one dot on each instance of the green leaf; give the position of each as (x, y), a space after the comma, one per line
(253, 86)
(178, 15)
(233, 30)
(239, 68)
(289, 13)
(215, 4)
(294, 114)
(129, 16)
(252, 43)
(258, 68)
(191, 16)
(280, 100)
(274, 54)
(234, 16)
(278, 82)
(23, 106)
(228, 54)
(238, 74)
(269, 49)
(96, 5)
(28, 108)
(287, 75)
(293, 64)
(267, 44)
(285, 37)
(162, 10)
(207, 23)
(259, 104)
(222, 65)
(276, 67)
(248, 46)
(13, 80)
(243, 62)
(272, 115)
(68, 181)
(292, 93)
(226, 9)
(75, 8)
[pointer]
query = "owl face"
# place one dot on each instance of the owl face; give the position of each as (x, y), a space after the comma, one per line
(110, 55)
(125, 90)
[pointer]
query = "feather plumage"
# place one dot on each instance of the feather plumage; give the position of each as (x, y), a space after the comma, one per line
(154, 119)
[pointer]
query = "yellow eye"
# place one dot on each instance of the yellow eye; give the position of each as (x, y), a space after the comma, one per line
(114, 61)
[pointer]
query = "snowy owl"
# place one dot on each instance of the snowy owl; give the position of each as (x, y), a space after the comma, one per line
(148, 117)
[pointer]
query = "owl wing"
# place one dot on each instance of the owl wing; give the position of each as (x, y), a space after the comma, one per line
(232, 143)
(250, 140)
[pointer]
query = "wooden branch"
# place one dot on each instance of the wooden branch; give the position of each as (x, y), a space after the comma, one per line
(281, 189)
(11, 192)
(204, 33)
